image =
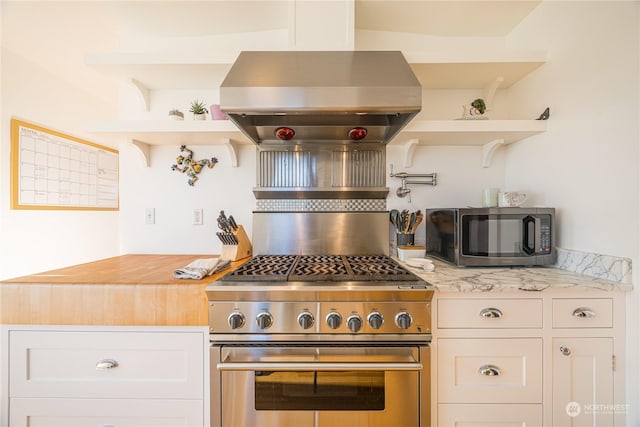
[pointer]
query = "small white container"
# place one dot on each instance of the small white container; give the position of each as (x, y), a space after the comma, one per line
(406, 252)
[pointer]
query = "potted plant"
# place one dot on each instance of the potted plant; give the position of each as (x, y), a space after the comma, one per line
(198, 109)
(176, 114)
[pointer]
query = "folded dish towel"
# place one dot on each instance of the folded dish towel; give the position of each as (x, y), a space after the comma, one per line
(201, 268)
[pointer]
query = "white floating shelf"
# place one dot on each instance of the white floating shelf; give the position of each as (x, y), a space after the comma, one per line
(469, 132)
(475, 69)
(171, 132)
(490, 134)
(165, 71)
(145, 133)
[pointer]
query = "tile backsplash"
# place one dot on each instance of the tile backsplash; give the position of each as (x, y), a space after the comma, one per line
(616, 269)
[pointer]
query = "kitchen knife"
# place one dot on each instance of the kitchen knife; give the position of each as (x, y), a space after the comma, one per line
(232, 223)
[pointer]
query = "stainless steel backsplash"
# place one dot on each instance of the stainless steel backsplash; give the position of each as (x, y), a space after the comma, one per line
(316, 233)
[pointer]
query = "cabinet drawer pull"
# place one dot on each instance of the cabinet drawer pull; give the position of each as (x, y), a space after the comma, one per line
(565, 350)
(489, 370)
(106, 364)
(583, 312)
(490, 313)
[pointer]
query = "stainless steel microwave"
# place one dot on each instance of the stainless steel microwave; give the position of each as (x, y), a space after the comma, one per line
(492, 236)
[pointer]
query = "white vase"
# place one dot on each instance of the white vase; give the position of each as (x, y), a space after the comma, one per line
(199, 117)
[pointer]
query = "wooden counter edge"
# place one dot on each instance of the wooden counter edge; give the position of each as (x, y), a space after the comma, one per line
(81, 299)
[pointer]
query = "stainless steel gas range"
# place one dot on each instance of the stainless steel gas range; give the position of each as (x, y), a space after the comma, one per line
(320, 339)
(321, 328)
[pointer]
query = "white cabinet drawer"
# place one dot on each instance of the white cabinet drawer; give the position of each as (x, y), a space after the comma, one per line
(582, 313)
(490, 415)
(145, 364)
(489, 313)
(105, 412)
(489, 370)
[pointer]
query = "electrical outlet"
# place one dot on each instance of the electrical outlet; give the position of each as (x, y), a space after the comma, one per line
(197, 216)
(150, 216)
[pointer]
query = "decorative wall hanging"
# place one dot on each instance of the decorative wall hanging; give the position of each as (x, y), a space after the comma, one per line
(192, 168)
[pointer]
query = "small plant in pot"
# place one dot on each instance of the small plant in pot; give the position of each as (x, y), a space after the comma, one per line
(176, 114)
(198, 109)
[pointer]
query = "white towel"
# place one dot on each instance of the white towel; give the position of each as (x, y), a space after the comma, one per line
(201, 268)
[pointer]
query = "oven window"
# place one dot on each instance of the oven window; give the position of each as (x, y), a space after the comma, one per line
(493, 235)
(317, 391)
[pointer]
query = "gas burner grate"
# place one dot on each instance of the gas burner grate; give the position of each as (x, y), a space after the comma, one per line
(263, 267)
(325, 267)
(329, 268)
(377, 267)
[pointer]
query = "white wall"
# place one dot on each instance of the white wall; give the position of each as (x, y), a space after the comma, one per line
(586, 164)
(33, 89)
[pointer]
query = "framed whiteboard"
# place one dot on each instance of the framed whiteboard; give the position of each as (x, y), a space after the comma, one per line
(51, 170)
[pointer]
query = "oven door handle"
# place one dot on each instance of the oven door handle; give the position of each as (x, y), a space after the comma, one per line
(240, 366)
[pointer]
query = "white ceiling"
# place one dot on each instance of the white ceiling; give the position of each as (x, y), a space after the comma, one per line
(448, 18)
(178, 18)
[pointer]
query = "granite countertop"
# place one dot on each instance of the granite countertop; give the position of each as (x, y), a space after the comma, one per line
(449, 278)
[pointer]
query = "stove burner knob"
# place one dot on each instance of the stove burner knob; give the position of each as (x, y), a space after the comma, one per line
(403, 320)
(264, 320)
(305, 320)
(354, 322)
(334, 320)
(236, 320)
(375, 319)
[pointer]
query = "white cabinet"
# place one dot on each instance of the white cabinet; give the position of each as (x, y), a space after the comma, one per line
(583, 382)
(95, 376)
(490, 370)
(460, 415)
(528, 359)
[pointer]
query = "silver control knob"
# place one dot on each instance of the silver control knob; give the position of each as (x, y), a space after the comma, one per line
(334, 320)
(375, 319)
(354, 322)
(403, 320)
(236, 320)
(264, 320)
(305, 320)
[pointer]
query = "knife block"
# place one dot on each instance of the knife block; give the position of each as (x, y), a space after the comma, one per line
(242, 250)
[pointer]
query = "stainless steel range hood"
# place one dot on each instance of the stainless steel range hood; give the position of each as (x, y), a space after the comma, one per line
(321, 96)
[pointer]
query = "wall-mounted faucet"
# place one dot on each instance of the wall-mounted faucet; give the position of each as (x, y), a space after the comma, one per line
(403, 191)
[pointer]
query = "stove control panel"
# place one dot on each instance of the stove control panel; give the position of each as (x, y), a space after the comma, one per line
(287, 317)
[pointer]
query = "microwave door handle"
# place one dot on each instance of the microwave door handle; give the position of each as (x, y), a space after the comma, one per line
(526, 221)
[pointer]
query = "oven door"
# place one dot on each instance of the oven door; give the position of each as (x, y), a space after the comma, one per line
(322, 386)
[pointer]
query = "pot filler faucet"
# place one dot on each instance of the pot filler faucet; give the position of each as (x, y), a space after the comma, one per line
(403, 190)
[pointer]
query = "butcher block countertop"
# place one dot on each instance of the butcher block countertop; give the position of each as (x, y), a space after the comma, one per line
(128, 290)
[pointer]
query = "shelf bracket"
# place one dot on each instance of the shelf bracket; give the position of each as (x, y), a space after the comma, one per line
(490, 91)
(489, 149)
(144, 150)
(409, 149)
(232, 147)
(143, 94)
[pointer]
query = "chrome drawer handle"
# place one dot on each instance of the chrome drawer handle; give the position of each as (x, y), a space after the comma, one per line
(583, 312)
(565, 350)
(490, 313)
(106, 364)
(489, 370)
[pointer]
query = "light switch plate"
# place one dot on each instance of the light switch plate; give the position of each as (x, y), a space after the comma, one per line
(150, 216)
(197, 216)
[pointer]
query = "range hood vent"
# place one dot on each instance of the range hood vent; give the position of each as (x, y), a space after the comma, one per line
(290, 97)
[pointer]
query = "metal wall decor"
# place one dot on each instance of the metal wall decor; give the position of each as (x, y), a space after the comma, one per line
(192, 168)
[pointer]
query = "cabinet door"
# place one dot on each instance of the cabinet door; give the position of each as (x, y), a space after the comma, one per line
(484, 415)
(106, 364)
(489, 370)
(582, 382)
(34, 412)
